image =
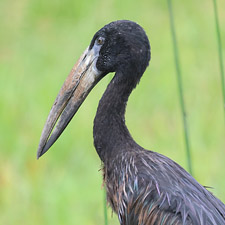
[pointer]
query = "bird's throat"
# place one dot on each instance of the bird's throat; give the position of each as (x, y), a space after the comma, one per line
(111, 135)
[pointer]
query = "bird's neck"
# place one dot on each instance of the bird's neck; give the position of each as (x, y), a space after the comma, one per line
(111, 135)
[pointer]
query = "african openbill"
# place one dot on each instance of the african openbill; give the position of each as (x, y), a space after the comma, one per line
(143, 187)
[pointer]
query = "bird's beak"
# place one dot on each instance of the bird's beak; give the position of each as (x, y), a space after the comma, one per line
(75, 89)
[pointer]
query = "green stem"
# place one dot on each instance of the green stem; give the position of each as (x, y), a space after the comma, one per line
(180, 87)
(220, 52)
(105, 208)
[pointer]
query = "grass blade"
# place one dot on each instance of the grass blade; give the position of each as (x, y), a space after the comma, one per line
(180, 86)
(105, 208)
(220, 52)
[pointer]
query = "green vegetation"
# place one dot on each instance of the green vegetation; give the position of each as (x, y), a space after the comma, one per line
(39, 43)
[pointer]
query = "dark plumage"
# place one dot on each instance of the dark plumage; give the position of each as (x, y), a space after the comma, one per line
(143, 187)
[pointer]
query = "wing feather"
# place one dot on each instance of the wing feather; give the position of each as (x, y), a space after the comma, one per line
(155, 190)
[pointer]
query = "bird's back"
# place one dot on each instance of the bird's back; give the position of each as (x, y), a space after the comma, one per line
(147, 188)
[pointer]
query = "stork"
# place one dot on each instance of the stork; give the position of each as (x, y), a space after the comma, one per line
(143, 187)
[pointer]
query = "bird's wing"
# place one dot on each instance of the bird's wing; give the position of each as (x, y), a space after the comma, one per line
(175, 194)
(155, 190)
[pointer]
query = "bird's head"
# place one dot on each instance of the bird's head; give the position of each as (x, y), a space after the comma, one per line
(121, 47)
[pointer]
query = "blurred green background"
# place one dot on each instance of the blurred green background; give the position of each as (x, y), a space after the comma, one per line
(39, 43)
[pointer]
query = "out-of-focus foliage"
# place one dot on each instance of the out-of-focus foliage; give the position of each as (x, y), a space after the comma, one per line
(39, 43)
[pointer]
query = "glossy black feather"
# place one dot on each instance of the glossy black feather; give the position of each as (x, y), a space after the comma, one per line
(143, 187)
(150, 187)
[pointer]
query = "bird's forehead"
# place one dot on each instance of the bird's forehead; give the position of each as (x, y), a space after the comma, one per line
(120, 26)
(118, 30)
(105, 32)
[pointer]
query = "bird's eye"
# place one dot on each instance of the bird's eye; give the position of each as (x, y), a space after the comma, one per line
(100, 40)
